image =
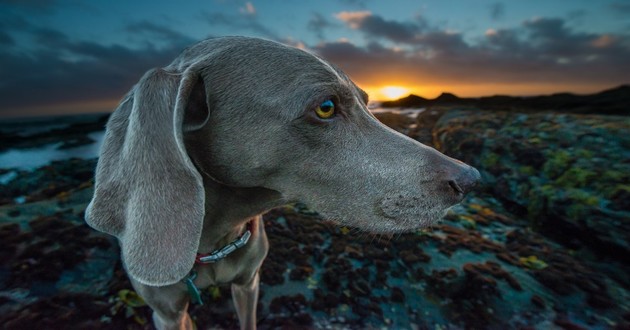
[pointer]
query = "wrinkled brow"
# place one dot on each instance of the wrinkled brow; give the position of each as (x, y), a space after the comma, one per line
(364, 96)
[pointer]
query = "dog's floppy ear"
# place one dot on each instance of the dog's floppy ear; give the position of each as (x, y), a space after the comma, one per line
(147, 191)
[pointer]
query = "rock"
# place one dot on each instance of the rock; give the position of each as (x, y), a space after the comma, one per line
(566, 171)
(397, 295)
(538, 301)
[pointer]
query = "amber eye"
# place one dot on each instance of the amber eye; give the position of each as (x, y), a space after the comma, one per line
(325, 110)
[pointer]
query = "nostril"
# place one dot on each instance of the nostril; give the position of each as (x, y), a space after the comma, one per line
(465, 181)
(455, 187)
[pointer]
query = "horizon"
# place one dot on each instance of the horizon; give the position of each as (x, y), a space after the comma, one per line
(75, 111)
(48, 115)
(62, 57)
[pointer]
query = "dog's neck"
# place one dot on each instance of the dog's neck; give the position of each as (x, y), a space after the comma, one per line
(228, 209)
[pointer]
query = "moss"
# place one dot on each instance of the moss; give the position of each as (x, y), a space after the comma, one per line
(130, 303)
(527, 170)
(490, 160)
(468, 222)
(557, 164)
(131, 298)
(576, 177)
(577, 212)
(618, 190)
(615, 176)
(532, 262)
(539, 199)
(584, 154)
(215, 292)
(582, 197)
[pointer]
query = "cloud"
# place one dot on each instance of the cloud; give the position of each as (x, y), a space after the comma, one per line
(159, 31)
(378, 27)
(37, 6)
(6, 39)
(497, 11)
(357, 3)
(62, 71)
(620, 7)
(248, 10)
(318, 23)
(541, 50)
(239, 23)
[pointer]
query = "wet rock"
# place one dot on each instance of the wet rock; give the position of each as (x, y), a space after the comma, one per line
(538, 301)
(331, 280)
(457, 238)
(410, 257)
(600, 300)
(80, 310)
(291, 304)
(398, 122)
(300, 273)
(397, 295)
(567, 324)
(272, 272)
(553, 167)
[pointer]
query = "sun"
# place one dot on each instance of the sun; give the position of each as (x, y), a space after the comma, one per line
(394, 92)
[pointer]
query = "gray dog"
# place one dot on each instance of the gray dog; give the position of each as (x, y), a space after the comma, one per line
(236, 126)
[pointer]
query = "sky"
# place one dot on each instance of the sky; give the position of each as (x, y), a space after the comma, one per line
(74, 56)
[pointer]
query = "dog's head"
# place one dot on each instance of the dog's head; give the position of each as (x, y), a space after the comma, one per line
(247, 113)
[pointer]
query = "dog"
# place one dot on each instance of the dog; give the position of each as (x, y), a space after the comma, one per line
(236, 126)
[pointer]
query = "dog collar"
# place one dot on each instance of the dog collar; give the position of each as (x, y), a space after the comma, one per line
(212, 257)
(216, 255)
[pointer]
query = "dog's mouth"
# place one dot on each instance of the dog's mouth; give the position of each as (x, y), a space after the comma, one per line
(406, 213)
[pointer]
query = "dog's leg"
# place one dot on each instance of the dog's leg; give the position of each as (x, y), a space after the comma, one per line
(169, 304)
(245, 298)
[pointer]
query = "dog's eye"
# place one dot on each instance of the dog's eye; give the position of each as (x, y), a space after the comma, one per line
(325, 110)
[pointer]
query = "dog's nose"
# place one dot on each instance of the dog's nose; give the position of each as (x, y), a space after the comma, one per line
(465, 180)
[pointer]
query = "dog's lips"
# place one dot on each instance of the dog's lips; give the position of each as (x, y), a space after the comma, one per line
(410, 211)
(397, 205)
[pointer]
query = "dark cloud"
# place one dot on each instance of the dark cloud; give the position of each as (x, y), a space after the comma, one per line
(49, 37)
(239, 22)
(6, 39)
(47, 78)
(543, 50)
(46, 7)
(497, 11)
(61, 70)
(37, 6)
(155, 30)
(620, 7)
(376, 26)
(356, 3)
(318, 23)
(58, 69)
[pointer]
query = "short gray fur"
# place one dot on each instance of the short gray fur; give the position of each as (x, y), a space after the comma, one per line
(228, 131)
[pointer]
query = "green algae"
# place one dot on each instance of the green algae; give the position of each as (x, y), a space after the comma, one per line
(559, 167)
(557, 163)
(532, 262)
(576, 177)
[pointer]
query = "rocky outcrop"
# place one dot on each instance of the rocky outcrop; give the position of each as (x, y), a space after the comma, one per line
(615, 101)
(568, 174)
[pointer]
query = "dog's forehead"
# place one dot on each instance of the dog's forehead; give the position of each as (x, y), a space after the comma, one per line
(273, 74)
(253, 57)
(282, 61)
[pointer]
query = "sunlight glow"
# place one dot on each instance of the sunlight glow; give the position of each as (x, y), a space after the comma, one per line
(394, 92)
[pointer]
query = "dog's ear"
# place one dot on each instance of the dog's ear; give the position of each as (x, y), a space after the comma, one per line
(147, 191)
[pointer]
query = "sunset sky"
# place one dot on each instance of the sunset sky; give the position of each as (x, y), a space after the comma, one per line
(59, 56)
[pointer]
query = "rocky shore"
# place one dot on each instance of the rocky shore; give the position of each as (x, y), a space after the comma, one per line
(543, 244)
